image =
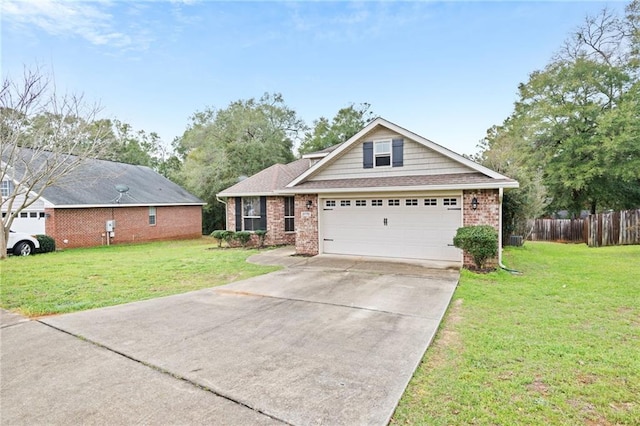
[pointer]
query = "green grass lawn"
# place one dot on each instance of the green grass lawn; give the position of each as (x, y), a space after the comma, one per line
(559, 344)
(79, 279)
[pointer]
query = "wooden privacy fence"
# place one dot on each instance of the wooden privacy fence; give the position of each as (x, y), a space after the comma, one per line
(558, 230)
(603, 229)
(613, 229)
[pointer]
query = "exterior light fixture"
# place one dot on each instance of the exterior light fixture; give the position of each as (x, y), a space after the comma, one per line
(474, 203)
(309, 204)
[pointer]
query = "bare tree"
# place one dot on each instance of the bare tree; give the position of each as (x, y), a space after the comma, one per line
(44, 137)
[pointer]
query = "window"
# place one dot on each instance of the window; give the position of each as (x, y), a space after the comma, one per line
(289, 214)
(394, 202)
(33, 215)
(450, 201)
(376, 202)
(42, 215)
(361, 203)
(330, 203)
(152, 216)
(382, 153)
(24, 214)
(430, 201)
(411, 202)
(251, 213)
(6, 188)
(345, 203)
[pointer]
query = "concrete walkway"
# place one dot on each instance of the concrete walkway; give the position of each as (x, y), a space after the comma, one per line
(328, 340)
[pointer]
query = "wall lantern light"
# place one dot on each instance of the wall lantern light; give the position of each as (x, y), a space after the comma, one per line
(309, 204)
(474, 203)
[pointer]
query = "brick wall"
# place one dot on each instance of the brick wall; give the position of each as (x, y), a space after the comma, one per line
(276, 234)
(487, 213)
(307, 226)
(86, 227)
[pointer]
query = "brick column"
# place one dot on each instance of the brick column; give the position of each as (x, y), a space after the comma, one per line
(487, 213)
(306, 224)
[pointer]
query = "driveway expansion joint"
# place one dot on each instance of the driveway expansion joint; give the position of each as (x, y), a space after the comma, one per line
(167, 373)
(340, 305)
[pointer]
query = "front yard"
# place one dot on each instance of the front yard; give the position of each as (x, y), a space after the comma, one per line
(80, 279)
(559, 344)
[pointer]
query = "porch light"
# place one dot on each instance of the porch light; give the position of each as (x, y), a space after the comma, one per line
(474, 203)
(309, 204)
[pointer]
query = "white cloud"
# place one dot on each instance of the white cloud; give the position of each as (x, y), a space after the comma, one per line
(88, 20)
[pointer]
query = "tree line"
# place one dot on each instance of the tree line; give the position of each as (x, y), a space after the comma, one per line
(572, 140)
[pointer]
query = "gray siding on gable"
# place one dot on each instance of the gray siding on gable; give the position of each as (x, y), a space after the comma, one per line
(418, 160)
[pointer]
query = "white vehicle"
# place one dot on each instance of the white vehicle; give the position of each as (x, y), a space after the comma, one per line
(22, 244)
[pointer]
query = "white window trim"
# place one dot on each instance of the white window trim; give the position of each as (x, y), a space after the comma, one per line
(383, 154)
(153, 213)
(254, 211)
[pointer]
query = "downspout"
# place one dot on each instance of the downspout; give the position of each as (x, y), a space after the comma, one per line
(513, 271)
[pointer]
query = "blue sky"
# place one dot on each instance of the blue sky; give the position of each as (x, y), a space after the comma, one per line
(445, 70)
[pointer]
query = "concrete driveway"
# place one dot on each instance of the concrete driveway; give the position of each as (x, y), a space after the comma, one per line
(328, 340)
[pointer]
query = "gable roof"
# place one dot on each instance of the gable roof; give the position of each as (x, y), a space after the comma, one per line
(497, 178)
(267, 181)
(93, 184)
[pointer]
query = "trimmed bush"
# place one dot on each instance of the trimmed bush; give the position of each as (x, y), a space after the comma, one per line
(480, 241)
(262, 234)
(243, 237)
(47, 243)
(219, 235)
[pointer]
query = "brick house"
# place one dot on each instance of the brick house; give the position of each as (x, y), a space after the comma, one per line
(105, 202)
(385, 192)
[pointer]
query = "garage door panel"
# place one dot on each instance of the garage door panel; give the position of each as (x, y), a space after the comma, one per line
(406, 231)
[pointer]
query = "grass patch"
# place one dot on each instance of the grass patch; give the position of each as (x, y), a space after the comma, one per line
(559, 344)
(79, 279)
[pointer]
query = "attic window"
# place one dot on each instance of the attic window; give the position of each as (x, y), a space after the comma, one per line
(382, 153)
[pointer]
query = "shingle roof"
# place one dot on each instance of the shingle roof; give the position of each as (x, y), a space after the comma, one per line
(457, 179)
(269, 180)
(93, 183)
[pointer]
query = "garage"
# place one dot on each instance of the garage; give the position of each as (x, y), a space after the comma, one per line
(414, 227)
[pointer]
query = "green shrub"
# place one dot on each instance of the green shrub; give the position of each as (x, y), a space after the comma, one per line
(480, 241)
(47, 243)
(219, 236)
(243, 237)
(262, 234)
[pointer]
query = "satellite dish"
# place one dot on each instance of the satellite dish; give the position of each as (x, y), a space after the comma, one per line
(241, 178)
(122, 188)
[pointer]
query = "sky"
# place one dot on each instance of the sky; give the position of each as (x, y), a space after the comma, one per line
(447, 71)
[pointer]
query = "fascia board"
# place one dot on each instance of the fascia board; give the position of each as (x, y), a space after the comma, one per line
(406, 188)
(93, 206)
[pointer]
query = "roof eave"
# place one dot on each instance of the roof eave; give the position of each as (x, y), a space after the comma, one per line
(93, 206)
(496, 185)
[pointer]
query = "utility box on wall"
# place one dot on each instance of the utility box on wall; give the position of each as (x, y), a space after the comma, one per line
(111, 226)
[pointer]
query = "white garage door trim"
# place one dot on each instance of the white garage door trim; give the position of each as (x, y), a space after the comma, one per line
(416, 226)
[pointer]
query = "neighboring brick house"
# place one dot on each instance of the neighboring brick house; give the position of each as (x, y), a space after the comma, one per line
(385, 192)
(105, 202)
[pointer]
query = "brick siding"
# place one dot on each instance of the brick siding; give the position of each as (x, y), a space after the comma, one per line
(307, 226)
(86, 227)
(276, 234)
(487, 213)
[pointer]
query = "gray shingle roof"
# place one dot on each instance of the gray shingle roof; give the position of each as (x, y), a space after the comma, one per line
(93, 183)
(269, 180)
(403, 181)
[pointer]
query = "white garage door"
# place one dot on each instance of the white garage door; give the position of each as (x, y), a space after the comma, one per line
(412, 228)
